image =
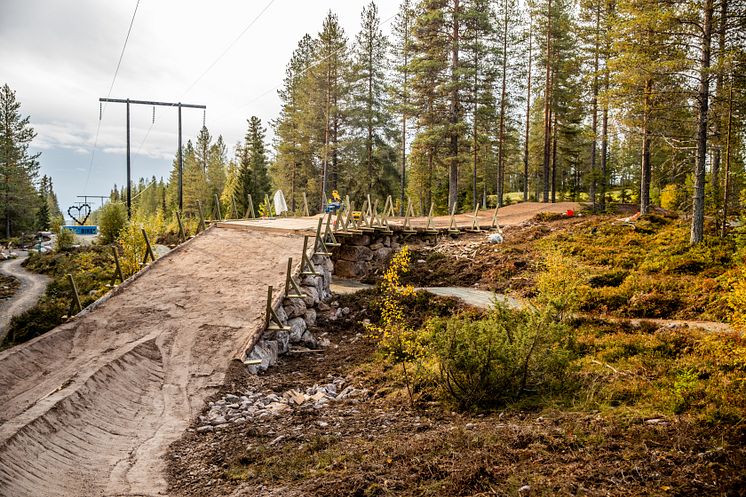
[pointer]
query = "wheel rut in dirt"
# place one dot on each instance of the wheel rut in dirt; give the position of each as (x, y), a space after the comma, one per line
(91, 407)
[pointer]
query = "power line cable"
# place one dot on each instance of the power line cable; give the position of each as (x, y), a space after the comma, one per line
(229, 47)
(111, 87)
(310, 66)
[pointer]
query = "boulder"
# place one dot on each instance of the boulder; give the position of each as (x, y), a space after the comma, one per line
(266, 351)
(360, 240)
(280, 311)
(355, 253)
(349, 269)
(294, 307)
(297, 328)
(310, 317)
(382, 254)
(308, 340)
(312, 296)
(376, 246)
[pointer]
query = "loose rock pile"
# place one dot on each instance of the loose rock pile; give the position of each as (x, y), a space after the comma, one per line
(255, 406)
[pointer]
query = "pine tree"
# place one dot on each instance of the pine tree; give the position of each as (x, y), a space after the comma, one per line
(480, 74)
(703, 103)
(370, 125)
(645, 75)
(18, 168)
(293, 170)
(400, 87)
(253, 174)
(216, 168)
(327, 89)
(429, 69)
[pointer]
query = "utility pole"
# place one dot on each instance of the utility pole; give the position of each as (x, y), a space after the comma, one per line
(100, 197)
(178, 105)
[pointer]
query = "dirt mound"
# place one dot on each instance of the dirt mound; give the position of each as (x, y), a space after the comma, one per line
(90, 407)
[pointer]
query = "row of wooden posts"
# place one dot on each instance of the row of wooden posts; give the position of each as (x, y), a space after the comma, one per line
(149, 256)
(347, 223)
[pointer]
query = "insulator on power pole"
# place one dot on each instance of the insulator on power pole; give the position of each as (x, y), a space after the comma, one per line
(153, 115)
(100, 110)
(204, 115)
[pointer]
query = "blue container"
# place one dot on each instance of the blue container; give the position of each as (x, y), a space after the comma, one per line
(82, 230)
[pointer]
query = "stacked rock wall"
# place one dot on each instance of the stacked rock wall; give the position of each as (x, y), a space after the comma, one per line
(298, 314)
(361, 256)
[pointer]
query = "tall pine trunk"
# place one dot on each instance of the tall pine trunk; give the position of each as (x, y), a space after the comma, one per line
(726, 187)
(547, 100)
(503, 91)
(717, 132)
(594, 106)
(454, 111)
(369, 117)
(698, 213)
(604, 144)
(554, 156)
(645, 165)
(475, 126)
(528, 112)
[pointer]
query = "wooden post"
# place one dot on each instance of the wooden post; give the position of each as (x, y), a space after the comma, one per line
(329, 239)
(148, 250)
(219, 217)
(305, 206)
(319, 247)
(182, 233)
(453, 227)
(408, 214)
(272, 320)
(118, 268)
(430, 228)
(202, 226)
(475, 221)
(235, 210)
(75, 302)
(495, 226)
(250, 209)
(291, 284)
(306, 266)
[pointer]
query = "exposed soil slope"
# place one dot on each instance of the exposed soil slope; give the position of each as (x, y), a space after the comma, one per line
(90, 407)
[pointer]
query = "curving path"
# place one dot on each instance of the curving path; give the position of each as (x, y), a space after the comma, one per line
(32, 287)
(484, 299)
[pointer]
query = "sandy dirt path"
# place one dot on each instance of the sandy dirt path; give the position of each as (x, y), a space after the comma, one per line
(507, 216)
(32, 287)
(90, 408)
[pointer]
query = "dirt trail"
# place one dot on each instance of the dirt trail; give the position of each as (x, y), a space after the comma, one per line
(91, 407)
(32, 287)
(484, 299)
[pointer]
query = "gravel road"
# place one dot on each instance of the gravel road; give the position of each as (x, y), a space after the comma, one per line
(32, 287)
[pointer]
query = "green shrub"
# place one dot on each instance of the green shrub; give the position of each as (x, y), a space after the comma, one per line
(486, 362)
(112, 219)
(673, 197)
(609, 279)
(65, 240)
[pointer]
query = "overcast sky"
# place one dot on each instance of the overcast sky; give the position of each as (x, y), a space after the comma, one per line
(60, 57)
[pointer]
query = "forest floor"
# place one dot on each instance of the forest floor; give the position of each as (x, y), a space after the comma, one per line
(646, 409)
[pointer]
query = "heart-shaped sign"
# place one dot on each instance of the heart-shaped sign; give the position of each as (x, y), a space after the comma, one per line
(84, 210)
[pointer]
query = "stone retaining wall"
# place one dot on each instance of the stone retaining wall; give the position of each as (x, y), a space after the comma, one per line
(299, 315)
(361, 256)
